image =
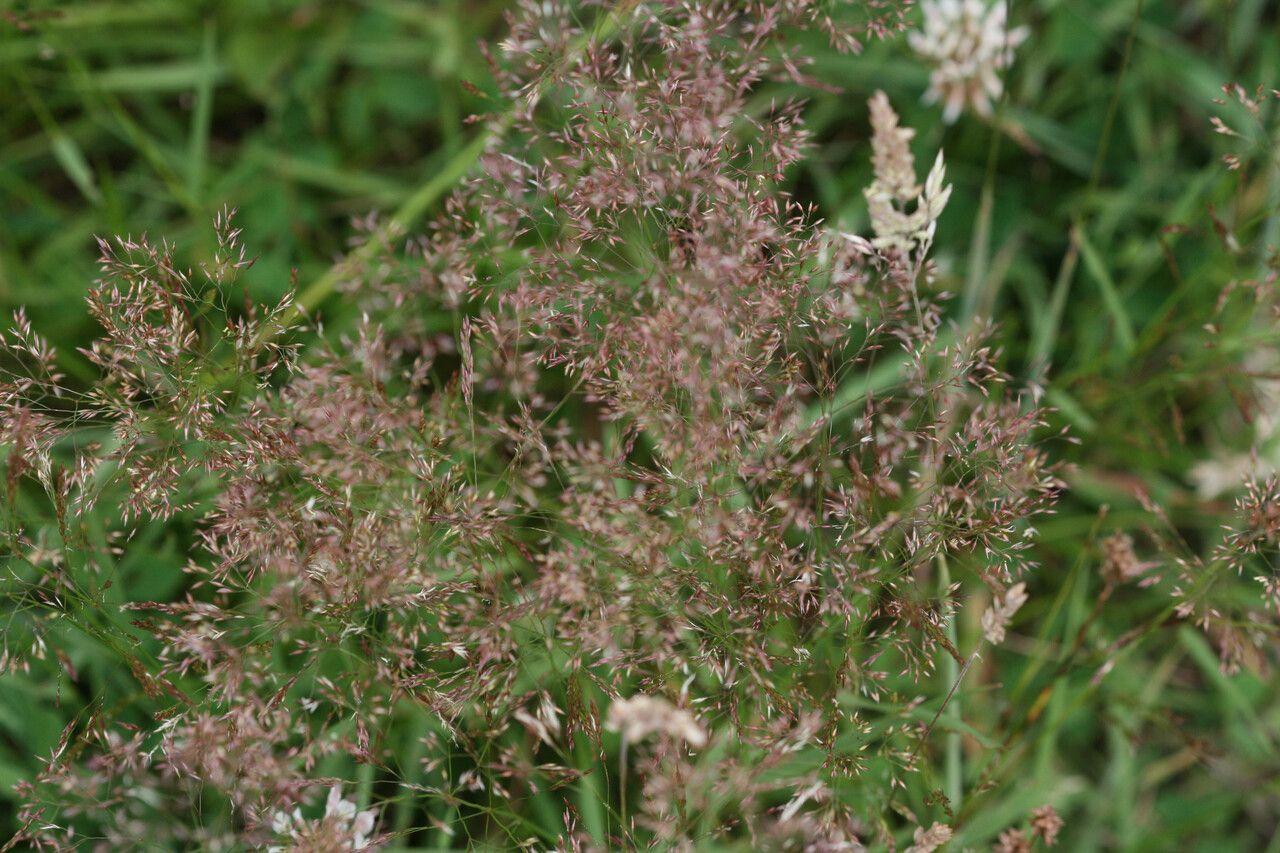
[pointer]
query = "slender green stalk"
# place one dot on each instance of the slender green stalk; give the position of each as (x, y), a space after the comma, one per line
(622, 786)
(954, 756)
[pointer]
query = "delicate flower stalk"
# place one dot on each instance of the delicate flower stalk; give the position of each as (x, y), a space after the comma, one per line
(904, 215)
(931, 839)
(1120, 564)
(996, 619)
(1046, 824)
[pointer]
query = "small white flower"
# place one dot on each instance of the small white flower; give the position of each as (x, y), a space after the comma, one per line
(343, 826)
(640, 716)
(968, 44)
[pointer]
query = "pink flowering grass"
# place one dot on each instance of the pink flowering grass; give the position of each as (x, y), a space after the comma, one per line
(641, 507)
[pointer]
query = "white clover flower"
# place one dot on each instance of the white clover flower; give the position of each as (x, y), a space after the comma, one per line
(343, 827)
(640, 716)
(968, 44)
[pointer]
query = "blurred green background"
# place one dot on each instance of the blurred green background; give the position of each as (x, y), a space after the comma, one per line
(150, 116)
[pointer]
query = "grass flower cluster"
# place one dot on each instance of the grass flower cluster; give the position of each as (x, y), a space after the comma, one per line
(638, 503)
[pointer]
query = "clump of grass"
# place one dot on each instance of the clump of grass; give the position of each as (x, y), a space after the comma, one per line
(641, 508)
